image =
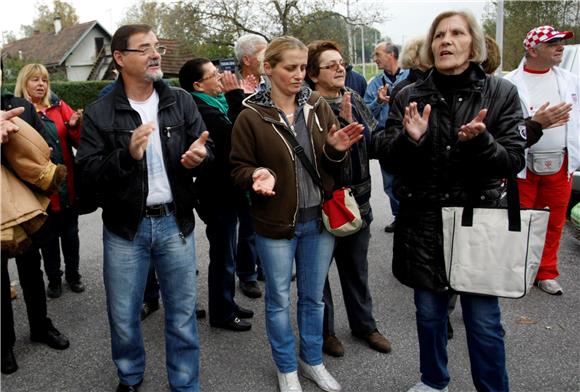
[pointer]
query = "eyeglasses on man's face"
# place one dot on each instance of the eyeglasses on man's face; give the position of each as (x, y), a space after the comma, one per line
(147, 50)
(334, 66)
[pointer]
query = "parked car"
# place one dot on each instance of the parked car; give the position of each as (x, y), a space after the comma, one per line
(575, 219)
(571, 62)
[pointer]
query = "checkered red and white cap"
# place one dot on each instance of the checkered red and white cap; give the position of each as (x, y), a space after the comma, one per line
(542, 34)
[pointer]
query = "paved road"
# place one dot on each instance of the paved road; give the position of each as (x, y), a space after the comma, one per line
(542, 333)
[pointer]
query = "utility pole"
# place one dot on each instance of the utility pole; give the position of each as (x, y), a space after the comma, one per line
(499, 33)
(362, 48)
(349, 32)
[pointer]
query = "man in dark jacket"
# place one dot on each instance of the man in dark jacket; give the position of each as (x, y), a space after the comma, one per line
(141, 146)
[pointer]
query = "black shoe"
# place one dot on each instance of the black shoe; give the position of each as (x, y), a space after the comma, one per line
(199, 312)
(391, 227)
(76, 285)
(243, 313)
(128, 388)
(9, 364)
(148, 308)
(234, 324)
(54, 289)
(52, 338)
(250, 289)
(449, 329)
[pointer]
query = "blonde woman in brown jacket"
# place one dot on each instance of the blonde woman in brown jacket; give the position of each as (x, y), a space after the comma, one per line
(286, 203)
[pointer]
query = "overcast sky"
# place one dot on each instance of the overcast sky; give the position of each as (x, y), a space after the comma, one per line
(408, 18)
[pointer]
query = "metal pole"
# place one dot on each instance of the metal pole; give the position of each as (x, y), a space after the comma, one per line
(499, 34)
(362, 48)
(349, 32)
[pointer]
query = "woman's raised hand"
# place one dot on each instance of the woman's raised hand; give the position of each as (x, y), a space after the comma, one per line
(345, 137)
(414, 123)
(346, 107)
(474, 128)
(249, 84)
(230, 82)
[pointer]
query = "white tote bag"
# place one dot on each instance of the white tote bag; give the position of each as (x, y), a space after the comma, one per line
(493, 251)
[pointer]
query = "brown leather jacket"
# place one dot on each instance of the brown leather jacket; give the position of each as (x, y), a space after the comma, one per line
(257, 141)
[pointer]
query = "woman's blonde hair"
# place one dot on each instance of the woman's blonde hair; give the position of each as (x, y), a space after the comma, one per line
(478, 51)
(278, 46)
(411, 56)
(26, 73)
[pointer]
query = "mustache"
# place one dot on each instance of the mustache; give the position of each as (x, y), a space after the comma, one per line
(154, 63)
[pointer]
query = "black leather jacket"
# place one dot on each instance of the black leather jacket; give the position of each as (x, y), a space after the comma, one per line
(107, 166)
(439, 170)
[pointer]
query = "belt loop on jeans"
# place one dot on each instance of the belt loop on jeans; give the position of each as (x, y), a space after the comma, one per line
(159, 210)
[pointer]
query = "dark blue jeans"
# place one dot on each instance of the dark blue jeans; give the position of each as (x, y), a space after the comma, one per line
(64, 226)
(221, 234)
(350, 254)
(481, 316)
(247, 261)
(125, 268)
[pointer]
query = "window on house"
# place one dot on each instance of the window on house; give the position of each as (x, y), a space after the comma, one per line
(99, 43)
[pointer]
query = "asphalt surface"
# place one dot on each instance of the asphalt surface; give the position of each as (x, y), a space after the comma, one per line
(542, 332)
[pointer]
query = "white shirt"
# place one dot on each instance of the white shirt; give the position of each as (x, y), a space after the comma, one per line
(543, 88)
(159, 188)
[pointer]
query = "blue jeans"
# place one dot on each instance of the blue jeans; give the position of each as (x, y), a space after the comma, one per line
(481, 316)
(388, 188)
(312, 250)
(126, 265)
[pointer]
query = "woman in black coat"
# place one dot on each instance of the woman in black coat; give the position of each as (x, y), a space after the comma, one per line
(451, 137)
(219, 100)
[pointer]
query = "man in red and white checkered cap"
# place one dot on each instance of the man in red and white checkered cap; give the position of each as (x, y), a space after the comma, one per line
(547, 180)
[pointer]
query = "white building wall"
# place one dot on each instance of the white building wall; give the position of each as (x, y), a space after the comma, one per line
(81, 60)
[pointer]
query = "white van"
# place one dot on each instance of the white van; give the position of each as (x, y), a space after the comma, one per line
(571, 62)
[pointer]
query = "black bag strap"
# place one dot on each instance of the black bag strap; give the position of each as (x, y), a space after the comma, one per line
(299, 151)
(513, 208)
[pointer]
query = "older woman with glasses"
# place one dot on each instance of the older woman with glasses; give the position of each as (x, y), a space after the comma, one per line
(219, 100)
(450, 140)
(326, 74)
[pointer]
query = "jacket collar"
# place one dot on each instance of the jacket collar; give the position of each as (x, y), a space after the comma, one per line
(427, 86)
(261, 102)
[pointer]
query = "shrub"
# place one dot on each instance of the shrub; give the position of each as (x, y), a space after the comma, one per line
(79, 94)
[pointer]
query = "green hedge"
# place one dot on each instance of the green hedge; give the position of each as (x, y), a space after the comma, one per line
(79, 94)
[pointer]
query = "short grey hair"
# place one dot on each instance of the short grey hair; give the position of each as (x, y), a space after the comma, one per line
(478, 48)
(246, 45)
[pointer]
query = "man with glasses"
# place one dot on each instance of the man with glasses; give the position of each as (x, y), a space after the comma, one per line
(140, 148)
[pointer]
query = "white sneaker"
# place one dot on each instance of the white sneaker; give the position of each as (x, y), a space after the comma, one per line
(288, 382)
(320, 376)
(550, 286)
(420, 387)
